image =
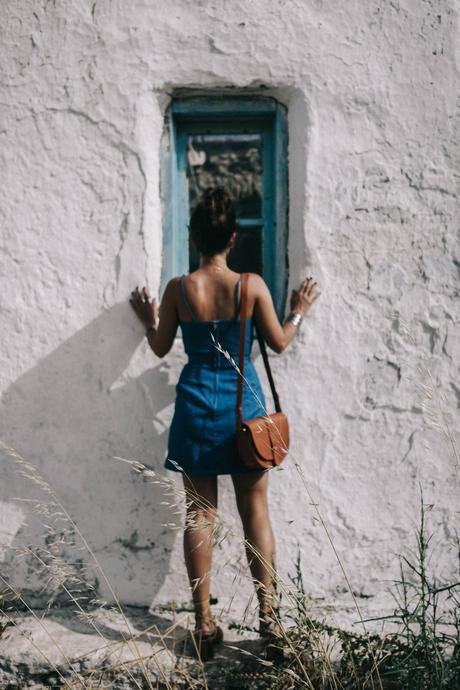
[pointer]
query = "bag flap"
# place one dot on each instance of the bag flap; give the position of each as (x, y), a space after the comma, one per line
(270, 436)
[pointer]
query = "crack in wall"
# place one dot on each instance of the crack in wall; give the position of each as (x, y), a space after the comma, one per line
(420, 187)
(118, 143)
(389, 363)
(123, 233)
(410, 441)
(456, 390)
(433, 334)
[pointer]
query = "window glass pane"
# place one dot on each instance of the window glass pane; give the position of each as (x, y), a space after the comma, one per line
(231, 160)
(247, 253)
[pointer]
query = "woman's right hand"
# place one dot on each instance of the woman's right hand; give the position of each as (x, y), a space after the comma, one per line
(303, 298)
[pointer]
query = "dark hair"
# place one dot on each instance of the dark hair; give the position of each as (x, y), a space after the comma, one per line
(213, 221)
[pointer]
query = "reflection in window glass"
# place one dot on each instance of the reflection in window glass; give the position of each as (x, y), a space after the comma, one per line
(247, 253)
(231, 160)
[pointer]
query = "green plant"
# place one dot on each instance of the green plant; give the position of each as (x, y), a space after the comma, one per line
(425, 653)
(422, 654)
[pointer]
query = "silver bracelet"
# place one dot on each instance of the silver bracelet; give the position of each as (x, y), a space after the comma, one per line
(295, 317)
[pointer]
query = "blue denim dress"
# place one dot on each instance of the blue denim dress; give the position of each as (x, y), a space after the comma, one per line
(202, 435)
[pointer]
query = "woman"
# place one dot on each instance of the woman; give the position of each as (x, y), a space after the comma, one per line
(202, 440)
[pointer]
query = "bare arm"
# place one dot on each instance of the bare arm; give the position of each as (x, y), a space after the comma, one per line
(160, 334)
(277, 335)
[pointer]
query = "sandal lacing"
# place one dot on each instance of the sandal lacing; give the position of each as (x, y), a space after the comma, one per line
(205, 639)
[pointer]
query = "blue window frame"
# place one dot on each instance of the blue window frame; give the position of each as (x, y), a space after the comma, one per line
(240, 142)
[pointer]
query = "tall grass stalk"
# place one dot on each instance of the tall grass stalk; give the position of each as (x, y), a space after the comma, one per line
(59, 574)
(313, 502)
(424, 654)
(54, 509)
(29, 472)
(308, 662)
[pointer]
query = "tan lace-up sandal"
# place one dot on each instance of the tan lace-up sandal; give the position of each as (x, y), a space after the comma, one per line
(271, 629)
(205, 640)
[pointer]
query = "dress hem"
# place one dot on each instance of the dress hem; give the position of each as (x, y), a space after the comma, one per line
(216, 474)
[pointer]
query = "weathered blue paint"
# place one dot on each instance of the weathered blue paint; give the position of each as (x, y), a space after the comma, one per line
(229, 115)
(281, 209)
(236, 106)
(171, 241)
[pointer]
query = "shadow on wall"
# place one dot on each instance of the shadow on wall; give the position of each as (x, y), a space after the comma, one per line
(68, 416)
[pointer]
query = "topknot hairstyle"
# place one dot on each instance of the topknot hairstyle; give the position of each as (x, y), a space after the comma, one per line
(213, 221)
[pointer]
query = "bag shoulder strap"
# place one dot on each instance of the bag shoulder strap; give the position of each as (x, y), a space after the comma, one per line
(263, 350)
(243, 318)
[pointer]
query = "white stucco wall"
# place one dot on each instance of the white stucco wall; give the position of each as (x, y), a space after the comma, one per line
(374, 161)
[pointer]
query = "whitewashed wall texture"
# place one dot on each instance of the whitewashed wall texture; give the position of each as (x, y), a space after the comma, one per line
(370, 88)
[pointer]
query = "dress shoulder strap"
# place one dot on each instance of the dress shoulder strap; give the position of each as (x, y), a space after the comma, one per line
(185, 300)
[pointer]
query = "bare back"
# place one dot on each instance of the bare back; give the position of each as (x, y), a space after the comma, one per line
(210, 294)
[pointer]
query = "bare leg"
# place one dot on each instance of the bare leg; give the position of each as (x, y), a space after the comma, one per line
(251, 491)
(201, 496)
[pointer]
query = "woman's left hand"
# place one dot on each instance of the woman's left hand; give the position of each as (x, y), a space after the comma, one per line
(145, 307)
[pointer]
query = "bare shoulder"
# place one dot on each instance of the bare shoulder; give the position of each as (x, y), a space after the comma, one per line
(173, 284)
(171, 289)
(257, 284)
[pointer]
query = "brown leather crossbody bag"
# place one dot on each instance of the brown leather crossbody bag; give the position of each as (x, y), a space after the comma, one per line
(262, 442)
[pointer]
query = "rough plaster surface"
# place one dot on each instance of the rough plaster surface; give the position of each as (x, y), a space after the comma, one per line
(373, 165)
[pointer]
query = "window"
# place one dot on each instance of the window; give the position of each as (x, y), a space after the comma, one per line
(241, 143)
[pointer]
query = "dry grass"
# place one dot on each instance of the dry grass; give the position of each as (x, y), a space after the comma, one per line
(309, 645)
